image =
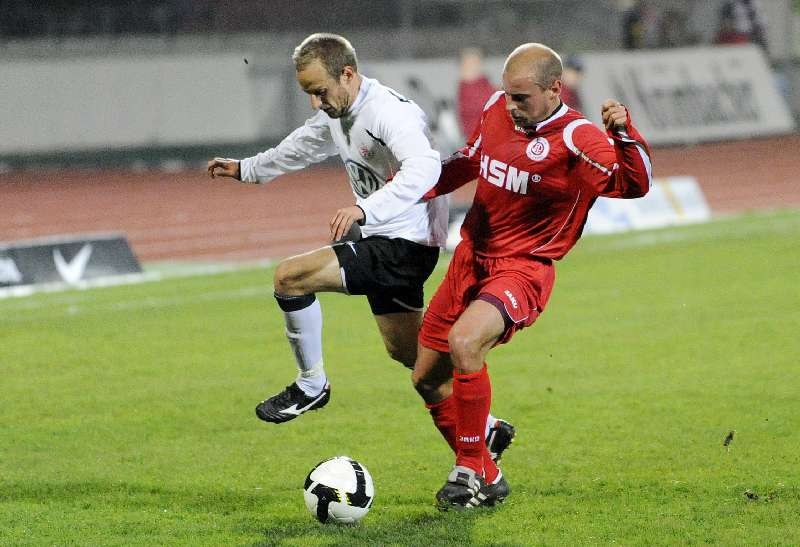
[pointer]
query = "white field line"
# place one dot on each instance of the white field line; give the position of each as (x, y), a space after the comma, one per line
(79, 305)
(158, 272)
(726, 228)
(110, 281)
(723, 228)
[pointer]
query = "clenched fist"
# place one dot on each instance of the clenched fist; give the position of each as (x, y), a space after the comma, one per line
(615, 115)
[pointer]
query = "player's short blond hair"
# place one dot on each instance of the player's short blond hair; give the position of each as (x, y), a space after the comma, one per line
(333, 51)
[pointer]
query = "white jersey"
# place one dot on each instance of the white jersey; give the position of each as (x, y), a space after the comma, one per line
(385, 145)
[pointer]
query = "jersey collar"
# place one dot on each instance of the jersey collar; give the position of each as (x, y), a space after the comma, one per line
(557, 113)
(366, 84)
(560, 111)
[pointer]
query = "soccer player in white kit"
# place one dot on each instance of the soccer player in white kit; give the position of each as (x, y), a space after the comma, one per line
(385, 145)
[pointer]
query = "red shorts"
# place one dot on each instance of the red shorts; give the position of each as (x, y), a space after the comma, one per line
(518, 287)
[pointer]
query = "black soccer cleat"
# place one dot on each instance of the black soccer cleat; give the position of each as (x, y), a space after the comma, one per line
(290, 403)
(460, 490)
(500, 437)
(490, 495)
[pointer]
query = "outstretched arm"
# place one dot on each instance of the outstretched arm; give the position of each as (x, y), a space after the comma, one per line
(457, 170)
(309, 143)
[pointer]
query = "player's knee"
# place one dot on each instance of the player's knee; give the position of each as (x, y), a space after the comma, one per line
(426, 388)
(402, 356)
(432, 390)
(464, 345)
(288, 278)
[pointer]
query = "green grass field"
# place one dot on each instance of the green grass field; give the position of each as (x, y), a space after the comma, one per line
(127, 413)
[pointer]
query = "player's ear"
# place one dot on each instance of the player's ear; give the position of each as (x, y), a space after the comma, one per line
(347, 74)
(555, 87)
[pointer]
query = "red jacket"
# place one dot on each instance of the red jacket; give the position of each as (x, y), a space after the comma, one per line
(472, 95)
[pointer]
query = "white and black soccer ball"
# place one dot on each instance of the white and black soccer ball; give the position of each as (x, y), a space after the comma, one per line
(339, 490)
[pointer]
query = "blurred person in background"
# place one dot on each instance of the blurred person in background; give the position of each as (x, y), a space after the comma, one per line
(741, 22)
(633, 26)
(640, 24)
(473, 89)
(540, 166)
(673, 29)
(571, 82)
(380, 136)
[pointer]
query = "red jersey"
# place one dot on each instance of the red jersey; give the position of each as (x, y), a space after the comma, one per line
(535, 188)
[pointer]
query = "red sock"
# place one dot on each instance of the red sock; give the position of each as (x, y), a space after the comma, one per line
(490, 469)
(444, 418)
(473, 396)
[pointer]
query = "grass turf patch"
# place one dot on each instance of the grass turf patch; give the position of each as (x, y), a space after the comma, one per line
(127, 413)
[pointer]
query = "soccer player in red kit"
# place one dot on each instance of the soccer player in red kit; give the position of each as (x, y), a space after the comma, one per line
(540, 166)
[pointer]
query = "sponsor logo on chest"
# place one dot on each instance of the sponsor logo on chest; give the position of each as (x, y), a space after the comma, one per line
(362, 178)
(506, 176)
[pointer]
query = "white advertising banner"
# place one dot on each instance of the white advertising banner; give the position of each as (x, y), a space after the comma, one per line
(689, 95)
(675, 96)
(116, 102)
(671, 201)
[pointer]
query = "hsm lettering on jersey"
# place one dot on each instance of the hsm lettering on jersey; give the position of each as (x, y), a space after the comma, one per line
(506, 176)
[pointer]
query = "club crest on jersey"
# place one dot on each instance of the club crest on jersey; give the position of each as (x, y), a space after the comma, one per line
(365, 151)
(538, 149)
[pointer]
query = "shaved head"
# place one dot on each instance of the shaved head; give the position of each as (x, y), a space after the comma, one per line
(532, 84)
(537, 61)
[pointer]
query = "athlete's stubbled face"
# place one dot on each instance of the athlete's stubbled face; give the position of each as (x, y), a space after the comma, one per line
(328, 94)
(528, 102)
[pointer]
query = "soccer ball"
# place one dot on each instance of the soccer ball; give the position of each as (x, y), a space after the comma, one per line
(339, 490)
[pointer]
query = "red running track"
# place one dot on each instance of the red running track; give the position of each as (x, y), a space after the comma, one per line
(187, 216)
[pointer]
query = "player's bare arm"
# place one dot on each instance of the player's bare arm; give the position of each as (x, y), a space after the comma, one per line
(344, 219)
(223, 167)
(615, 115)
